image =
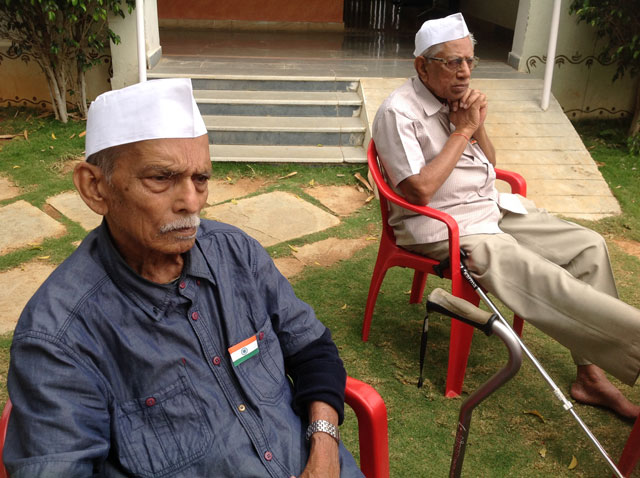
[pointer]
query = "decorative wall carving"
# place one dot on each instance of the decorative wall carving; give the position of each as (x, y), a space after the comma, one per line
(575, 59)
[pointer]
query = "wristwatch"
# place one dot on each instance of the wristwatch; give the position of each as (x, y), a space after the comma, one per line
(325, 427)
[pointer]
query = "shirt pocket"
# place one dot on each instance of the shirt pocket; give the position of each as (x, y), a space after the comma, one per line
(163, 432)
(263, 376)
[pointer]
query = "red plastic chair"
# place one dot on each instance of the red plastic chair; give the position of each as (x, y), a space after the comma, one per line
(631, 453)
(390, 255)
(372, 428)
(4, 421)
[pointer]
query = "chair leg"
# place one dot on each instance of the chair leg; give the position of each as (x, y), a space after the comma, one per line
(518, 325)
(417, 288)
(459, 347)
(631, 453)
(379, 271)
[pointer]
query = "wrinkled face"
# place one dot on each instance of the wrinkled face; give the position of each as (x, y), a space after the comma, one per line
(441, 81)
(155, 195)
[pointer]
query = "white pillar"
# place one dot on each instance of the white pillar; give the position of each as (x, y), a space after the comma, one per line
(142, 49)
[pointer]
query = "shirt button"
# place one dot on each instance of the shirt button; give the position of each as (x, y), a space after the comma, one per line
(194, 316)
(198, 282)
(183, 284)
(216, 360)
(150, 402)
(261, 336)
(268, 455)
(241, 407)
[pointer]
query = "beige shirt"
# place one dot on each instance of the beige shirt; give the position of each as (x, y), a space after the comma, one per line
(410, 128)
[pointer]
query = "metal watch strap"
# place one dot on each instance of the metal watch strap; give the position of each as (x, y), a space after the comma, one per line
(325, 427)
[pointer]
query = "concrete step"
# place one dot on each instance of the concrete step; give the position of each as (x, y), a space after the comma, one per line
(206, 82)
(289, 131)
(287, 154)
(278, 103)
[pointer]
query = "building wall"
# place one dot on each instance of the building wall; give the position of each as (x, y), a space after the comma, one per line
(24, 83)
(582, 83)
(324, 11)
(501, 12)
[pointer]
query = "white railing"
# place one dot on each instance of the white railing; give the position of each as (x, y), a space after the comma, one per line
(551, 55)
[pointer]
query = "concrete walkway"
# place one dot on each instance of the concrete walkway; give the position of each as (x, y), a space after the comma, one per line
(543, 146)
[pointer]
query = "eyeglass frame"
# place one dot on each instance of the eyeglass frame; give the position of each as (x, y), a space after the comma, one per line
(474, 62)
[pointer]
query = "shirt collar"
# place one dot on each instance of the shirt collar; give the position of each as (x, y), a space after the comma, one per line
(430, 103)
(151, 297)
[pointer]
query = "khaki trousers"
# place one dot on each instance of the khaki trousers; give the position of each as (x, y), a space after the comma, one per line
(557, 276)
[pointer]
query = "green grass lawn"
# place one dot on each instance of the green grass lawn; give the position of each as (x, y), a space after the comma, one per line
(506, 439)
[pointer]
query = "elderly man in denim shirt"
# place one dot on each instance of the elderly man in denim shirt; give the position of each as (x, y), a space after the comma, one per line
(161, 346)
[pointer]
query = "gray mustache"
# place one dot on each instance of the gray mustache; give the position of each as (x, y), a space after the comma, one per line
(182, 223)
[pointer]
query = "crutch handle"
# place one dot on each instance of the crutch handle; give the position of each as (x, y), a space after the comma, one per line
(445, 303)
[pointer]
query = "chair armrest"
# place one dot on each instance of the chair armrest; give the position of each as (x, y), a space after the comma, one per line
(515, 180)
(372, 427)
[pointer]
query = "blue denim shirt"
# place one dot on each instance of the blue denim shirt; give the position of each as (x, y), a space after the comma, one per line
(112, 375)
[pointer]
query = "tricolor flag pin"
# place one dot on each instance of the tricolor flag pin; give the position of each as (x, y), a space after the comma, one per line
(244, 350)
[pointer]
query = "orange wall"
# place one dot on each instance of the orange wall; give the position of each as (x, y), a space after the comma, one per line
(253, 10)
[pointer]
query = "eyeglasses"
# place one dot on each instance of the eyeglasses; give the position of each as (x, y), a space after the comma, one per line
(456, 63)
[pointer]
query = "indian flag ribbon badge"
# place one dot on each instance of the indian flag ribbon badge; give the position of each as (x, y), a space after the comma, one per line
(243, 350)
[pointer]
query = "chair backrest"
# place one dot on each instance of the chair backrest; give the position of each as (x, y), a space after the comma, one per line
(384, 190)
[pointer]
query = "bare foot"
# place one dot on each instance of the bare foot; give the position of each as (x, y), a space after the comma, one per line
(593, 388)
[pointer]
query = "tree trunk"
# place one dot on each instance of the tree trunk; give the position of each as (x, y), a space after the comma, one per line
(634, 129)
(82, 86)
(57, 91)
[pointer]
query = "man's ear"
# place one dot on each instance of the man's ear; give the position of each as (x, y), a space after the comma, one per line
(420, 64)
(92, 186)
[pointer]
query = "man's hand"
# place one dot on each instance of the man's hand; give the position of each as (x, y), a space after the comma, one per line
(323, 460)
(469, 112)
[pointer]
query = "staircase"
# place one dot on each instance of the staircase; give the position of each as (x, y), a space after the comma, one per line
(282, 120)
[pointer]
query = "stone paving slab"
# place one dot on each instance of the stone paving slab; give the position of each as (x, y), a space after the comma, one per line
(273, 217)
(71, 205)
(16, 288)
(329, 251)
(220, 190)
(8, 190)
(23, 224)
(343, 200)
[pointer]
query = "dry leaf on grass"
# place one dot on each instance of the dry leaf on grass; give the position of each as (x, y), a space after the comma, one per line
(344, 307)
(81, 135)
(543, 451)
(536, 413)
(293, 248)
(288, 175)
(574, 463)
(364, 182)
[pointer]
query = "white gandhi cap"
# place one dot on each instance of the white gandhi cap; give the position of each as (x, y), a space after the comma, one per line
(440, 30)
(150, 110)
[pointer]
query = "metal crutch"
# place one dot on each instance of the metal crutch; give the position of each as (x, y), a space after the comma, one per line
(566, 404)
(446, 304)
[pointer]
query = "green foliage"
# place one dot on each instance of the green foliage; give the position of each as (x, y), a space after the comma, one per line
(65, 38)
(618, 23)
(633, 143)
